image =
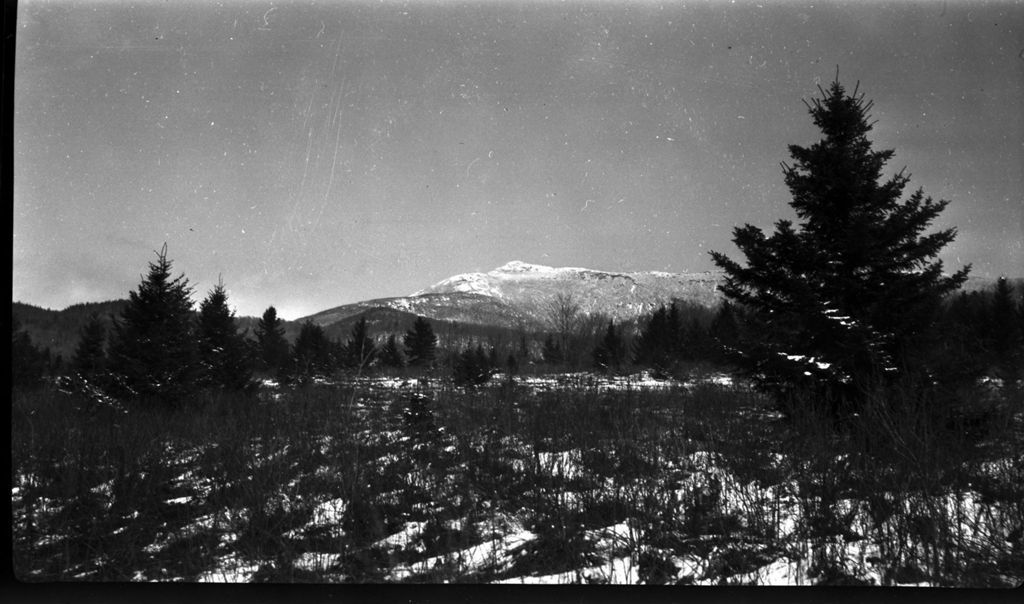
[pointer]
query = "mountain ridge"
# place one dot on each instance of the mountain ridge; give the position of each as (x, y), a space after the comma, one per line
(518, 295)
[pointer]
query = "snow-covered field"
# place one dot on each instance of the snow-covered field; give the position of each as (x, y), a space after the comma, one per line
(568, 480)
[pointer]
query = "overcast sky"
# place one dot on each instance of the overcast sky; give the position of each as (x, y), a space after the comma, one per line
(315, 154)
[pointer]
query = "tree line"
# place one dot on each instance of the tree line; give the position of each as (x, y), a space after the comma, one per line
(162, 348)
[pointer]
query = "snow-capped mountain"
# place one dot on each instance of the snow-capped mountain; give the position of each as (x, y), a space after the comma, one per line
(531, 288)
(518, 295)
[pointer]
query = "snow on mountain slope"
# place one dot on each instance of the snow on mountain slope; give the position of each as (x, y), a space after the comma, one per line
(531, 287)
(467, 283)
(519, 294)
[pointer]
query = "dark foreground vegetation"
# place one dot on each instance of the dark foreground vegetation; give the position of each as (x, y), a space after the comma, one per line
(577, 482)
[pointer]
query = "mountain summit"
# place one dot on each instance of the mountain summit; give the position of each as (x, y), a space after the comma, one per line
(483, 283)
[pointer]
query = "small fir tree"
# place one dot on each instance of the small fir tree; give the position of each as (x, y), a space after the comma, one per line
(523, 350)
(391, 354)
(725, 333)
(1005, 336)
(511, 365)
(657, 346)
(842, 301)
(153, 354)
(271, 344)
(223, 351)
(360, 351)
(421, 343)
(28, 362)
(472, 367)
(674, 332)
(962, 354)
(610, 352)
(701, 345)
(551, 351)
(90, 354)
(311, 353)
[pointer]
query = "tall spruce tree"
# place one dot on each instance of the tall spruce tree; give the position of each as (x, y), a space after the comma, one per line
(223, 352)
(153, 354)
(420, 343)
(90, 353)
(271, 345)
(843, 300)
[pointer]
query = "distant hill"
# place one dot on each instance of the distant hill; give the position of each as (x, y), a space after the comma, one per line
(59, 330)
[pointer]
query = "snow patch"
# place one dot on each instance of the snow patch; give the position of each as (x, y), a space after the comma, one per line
(230, 569)
(517, 266)
(329, 513)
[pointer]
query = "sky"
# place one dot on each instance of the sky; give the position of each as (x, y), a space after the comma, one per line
(313, 154)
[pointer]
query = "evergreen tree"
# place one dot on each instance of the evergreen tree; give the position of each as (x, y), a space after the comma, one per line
(511, 365)
(28, 362)
(1004, 332)
(90, 354)
(725, 333)
(657, 346)
(223, 352)
(338, 354)
(962, 354)
(311, 354)
(360, 350)
(523, 350)
(153, 354)
(55, 362)
(674, 332)
(391, 354)
(551, 351)
(850, 293)
(472, 367)
(696, 341)
(1020, 316)
(271, 344)
(610, 352)
(421, 343)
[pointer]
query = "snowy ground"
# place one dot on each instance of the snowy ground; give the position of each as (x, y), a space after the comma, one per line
(403, 496)
(616, 546)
